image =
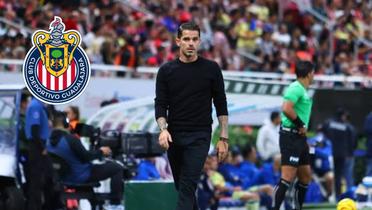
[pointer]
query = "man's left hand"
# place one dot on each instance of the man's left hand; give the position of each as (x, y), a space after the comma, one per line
(222, 148)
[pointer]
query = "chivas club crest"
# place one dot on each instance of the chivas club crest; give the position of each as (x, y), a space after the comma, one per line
(56, 70)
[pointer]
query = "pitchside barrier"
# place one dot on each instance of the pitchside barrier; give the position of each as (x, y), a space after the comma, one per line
(154, 195)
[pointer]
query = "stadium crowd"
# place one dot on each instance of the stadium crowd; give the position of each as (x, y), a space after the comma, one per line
(241, 35)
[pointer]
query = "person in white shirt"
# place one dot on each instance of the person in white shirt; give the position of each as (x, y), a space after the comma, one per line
(268, 138)
(282, 36)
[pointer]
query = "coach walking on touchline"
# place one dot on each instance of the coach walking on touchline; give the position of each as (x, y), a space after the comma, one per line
(292, 137)
(185, 89)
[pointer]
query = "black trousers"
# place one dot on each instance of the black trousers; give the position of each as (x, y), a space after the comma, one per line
(187, 154)
(39, 176)
(111, 170)
(339, 167)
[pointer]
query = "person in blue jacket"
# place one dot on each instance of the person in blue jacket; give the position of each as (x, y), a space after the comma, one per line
(248, 168)
(230, 168)
(37, 132)
(343, 137)
(82, 170)
(249, 173)
(270, 172)
(147, 171)
(322, 164)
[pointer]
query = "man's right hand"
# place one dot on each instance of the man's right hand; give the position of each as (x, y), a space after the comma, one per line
(105, 150)
(164, 139)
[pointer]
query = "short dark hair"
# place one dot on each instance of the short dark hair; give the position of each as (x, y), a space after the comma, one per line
(192, 26)
(341, 111)
(303, 68)
(235, 151)
(274, 115)
(247, 150)
(59, 118)
(24, 97)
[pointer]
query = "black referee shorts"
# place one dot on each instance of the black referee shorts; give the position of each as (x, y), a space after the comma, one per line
(294, 149)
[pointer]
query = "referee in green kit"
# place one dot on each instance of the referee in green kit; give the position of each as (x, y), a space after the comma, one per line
(293, 146)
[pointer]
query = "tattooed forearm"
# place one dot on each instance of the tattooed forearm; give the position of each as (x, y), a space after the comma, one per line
(223, 120)
(162, 123)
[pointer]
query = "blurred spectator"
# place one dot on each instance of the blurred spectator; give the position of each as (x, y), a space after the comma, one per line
(266, 44)
(268, 138)
(322, 163)
(270, 172)
(222, 187)
(208, 197)
(147, 170)
(281, 36)
(249, 173)
(368, 132)
(248, 168)
(127, 56)
(230, 168)
(73, 116)
(342, 135)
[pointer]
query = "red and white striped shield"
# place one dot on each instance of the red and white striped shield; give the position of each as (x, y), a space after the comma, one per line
(51, 82)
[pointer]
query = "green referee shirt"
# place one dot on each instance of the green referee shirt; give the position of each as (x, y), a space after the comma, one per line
(297, 94)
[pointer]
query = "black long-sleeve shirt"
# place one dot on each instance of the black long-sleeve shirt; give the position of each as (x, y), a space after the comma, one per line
(184, 94)
(342, 136)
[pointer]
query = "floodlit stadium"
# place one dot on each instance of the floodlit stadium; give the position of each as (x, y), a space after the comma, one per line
(85, 85)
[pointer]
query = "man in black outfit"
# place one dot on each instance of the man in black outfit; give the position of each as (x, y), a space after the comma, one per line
(70, 148)
(185, 89)
(343, 137)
